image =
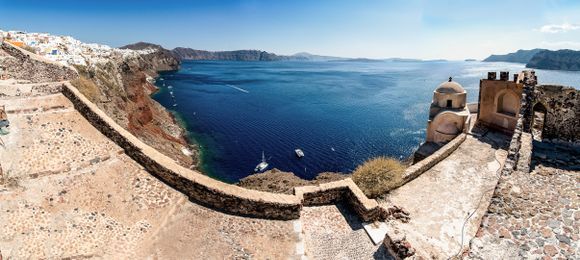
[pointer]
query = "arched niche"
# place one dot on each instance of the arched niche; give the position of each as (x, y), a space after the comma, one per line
(507, 103)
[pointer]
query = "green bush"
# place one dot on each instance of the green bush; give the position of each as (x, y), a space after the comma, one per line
(378, 176)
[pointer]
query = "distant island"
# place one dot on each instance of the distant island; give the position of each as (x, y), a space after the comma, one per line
(556, 60)
(520, 56)
(542, 59)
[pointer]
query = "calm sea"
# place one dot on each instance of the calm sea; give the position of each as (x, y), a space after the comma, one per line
(339, 113)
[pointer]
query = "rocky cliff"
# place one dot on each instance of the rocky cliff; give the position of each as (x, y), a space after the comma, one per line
(240, 55)
(520, 56)
(556, 60)
(122, 86)
(161, 58)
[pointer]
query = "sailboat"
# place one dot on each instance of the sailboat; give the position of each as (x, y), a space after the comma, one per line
(262, 165)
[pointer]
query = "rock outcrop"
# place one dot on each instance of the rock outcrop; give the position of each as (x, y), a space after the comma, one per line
(284, 182)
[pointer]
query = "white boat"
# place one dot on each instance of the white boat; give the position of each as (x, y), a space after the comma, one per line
(169, 87)
(299, 153)
(262, 165)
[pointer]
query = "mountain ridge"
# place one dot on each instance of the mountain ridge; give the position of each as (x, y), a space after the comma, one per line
(556, 60)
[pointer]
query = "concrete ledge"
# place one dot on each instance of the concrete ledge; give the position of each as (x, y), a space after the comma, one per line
(216, 194)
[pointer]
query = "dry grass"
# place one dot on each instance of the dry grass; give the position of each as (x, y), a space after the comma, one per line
(87, 87)
(378, 175)
(29, 49)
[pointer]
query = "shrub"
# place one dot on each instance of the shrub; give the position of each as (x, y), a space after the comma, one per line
(378, 175)
(87, 87)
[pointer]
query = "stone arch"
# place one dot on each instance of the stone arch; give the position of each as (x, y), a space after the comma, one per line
(507, 103)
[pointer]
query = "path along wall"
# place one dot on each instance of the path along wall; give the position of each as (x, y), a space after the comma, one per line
(218, 195)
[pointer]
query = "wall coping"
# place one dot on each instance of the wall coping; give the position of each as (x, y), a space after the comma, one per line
(420, 167)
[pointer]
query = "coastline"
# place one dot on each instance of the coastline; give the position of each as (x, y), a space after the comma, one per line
(205, 144)
(192, 145)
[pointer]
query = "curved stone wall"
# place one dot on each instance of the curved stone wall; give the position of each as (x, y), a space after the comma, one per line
(218, 195)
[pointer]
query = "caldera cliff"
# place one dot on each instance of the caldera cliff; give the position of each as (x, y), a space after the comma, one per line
(122, 86)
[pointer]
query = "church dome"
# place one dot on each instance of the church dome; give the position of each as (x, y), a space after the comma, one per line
(450, 87)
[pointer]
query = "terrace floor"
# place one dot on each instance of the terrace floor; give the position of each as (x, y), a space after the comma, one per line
(68, 191)
(446, 196)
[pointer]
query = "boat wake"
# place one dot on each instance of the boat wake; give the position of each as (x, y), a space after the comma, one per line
(237, 88)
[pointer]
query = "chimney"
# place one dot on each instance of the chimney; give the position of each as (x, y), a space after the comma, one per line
(504, 75)
(491, 75)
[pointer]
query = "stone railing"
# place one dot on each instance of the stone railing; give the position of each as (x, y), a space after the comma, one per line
(216, 194)
(420, 167)
(333, 192)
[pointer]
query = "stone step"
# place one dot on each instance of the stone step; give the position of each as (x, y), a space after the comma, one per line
(39, 104)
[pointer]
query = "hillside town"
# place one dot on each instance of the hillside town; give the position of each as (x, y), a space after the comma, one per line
(65, 50)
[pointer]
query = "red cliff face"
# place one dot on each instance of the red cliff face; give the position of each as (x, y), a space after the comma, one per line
(124, 84)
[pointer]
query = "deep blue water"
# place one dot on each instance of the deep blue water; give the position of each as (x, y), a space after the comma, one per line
(339, 113)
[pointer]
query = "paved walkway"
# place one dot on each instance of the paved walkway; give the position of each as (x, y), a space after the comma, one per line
(441, 199)
(66, 191)
(533, 215)
(335, 232)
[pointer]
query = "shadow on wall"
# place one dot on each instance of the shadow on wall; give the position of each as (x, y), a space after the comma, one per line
(565, 156)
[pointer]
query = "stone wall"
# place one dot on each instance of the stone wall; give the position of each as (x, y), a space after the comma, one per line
(24, 65)
(343, 190)
(563, 112)
(218, 195)
(420, 167)
(511, 161)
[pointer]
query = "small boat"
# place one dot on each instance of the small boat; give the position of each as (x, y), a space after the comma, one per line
(175, 104)
(169, 87)
(262, 165)
(299, 153)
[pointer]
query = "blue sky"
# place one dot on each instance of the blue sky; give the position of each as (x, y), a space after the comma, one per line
(357, 28)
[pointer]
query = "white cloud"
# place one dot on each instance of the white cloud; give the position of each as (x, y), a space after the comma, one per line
(561, 45)
(559, 28)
